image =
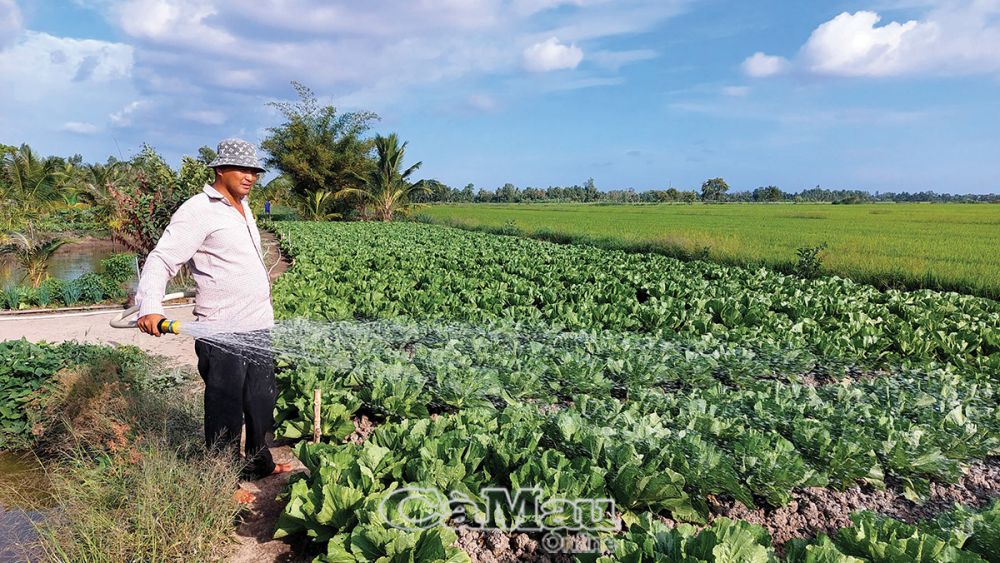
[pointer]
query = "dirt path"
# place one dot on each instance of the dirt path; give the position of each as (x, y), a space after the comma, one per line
(253, 534)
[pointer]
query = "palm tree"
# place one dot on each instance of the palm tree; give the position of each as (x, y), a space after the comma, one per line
(29, 186)
(95, 179)
(316, 206)
(32, 253)
(387, 188)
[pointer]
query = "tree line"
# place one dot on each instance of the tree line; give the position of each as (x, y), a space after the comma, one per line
(323, 164)
(714, 190)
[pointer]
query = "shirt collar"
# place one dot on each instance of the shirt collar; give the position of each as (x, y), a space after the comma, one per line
(214, 194)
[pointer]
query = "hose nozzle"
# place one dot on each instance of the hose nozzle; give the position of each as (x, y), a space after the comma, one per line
(164, 326)
(169, 327)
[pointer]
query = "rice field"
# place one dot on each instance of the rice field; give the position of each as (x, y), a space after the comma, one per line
(938, 246)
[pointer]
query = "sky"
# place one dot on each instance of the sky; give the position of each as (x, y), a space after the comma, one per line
(880, 95)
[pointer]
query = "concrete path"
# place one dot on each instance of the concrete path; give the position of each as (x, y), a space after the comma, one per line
(93, 328)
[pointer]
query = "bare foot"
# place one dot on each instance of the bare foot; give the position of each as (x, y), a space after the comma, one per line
(280, 468)
(242, 496)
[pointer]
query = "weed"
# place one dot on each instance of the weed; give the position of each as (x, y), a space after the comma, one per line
(810, 263)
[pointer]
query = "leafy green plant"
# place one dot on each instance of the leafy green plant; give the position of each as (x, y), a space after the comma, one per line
(12, 296)
(119, 268)
(25, 370)
(316, 206)
(92, 287)
(71, 292)
(648, 539)
(424, 271)
(884, 539)
(44, 294)
(810, 261)
(386, 189)
(145, 197)
(646, 380)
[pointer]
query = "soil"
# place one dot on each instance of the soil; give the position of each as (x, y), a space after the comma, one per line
(812, 511)
(363, 428)
(255, 531)
(819, 510)
(494, 546)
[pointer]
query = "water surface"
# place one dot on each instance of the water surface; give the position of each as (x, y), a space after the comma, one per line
(23, 497)
(69, 262)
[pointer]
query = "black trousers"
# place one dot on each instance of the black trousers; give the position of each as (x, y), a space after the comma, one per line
(238, 387)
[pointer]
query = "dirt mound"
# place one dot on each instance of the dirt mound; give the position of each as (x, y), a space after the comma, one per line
(814, 510)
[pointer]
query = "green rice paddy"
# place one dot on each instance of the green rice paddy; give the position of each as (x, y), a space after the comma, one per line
(938, 246)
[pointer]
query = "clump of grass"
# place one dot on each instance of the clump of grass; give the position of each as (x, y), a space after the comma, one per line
(145, 502)
(130, 480)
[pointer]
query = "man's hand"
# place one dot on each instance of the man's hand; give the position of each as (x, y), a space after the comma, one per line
(148, 323)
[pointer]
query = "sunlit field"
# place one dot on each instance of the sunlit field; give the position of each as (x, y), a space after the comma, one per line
(939, 246)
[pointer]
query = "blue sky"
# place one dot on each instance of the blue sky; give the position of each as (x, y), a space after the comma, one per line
(886, 95)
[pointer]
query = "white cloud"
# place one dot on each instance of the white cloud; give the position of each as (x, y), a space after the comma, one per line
(761, 65)
(171, 22)
(551, 55)
(187, 58)
(40, 64)
(735, 91)
(60, 87)
(953, 37)
(379, 49)
(126, 116)
(10, 22)
(852, 45)
(80, 127)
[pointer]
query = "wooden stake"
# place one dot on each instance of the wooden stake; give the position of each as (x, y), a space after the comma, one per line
(316, 421)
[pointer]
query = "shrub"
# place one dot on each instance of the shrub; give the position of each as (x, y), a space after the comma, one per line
(509, 228)
(92, 287)
(55, 286)
(810, 264)
(11, 297)
(71, 292)
(44, 294)
(119, 268)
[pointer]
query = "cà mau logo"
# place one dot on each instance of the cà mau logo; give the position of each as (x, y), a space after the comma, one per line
(523, 510)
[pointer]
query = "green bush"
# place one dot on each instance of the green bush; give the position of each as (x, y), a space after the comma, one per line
(119, 268)
(26, 369)
(11, 297)
(71, 292)
(92, 286)
(810, 264)
(54, 287)
(44, 294)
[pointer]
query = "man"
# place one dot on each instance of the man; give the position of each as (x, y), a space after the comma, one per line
(215, 233)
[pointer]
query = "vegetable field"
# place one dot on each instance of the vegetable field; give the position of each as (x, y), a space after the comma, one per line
(939, 246)
(727, 414)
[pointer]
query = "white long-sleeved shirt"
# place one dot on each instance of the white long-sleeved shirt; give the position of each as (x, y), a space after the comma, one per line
(227, 263)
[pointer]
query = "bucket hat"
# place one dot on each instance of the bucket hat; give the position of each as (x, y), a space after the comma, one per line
(236, 152)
